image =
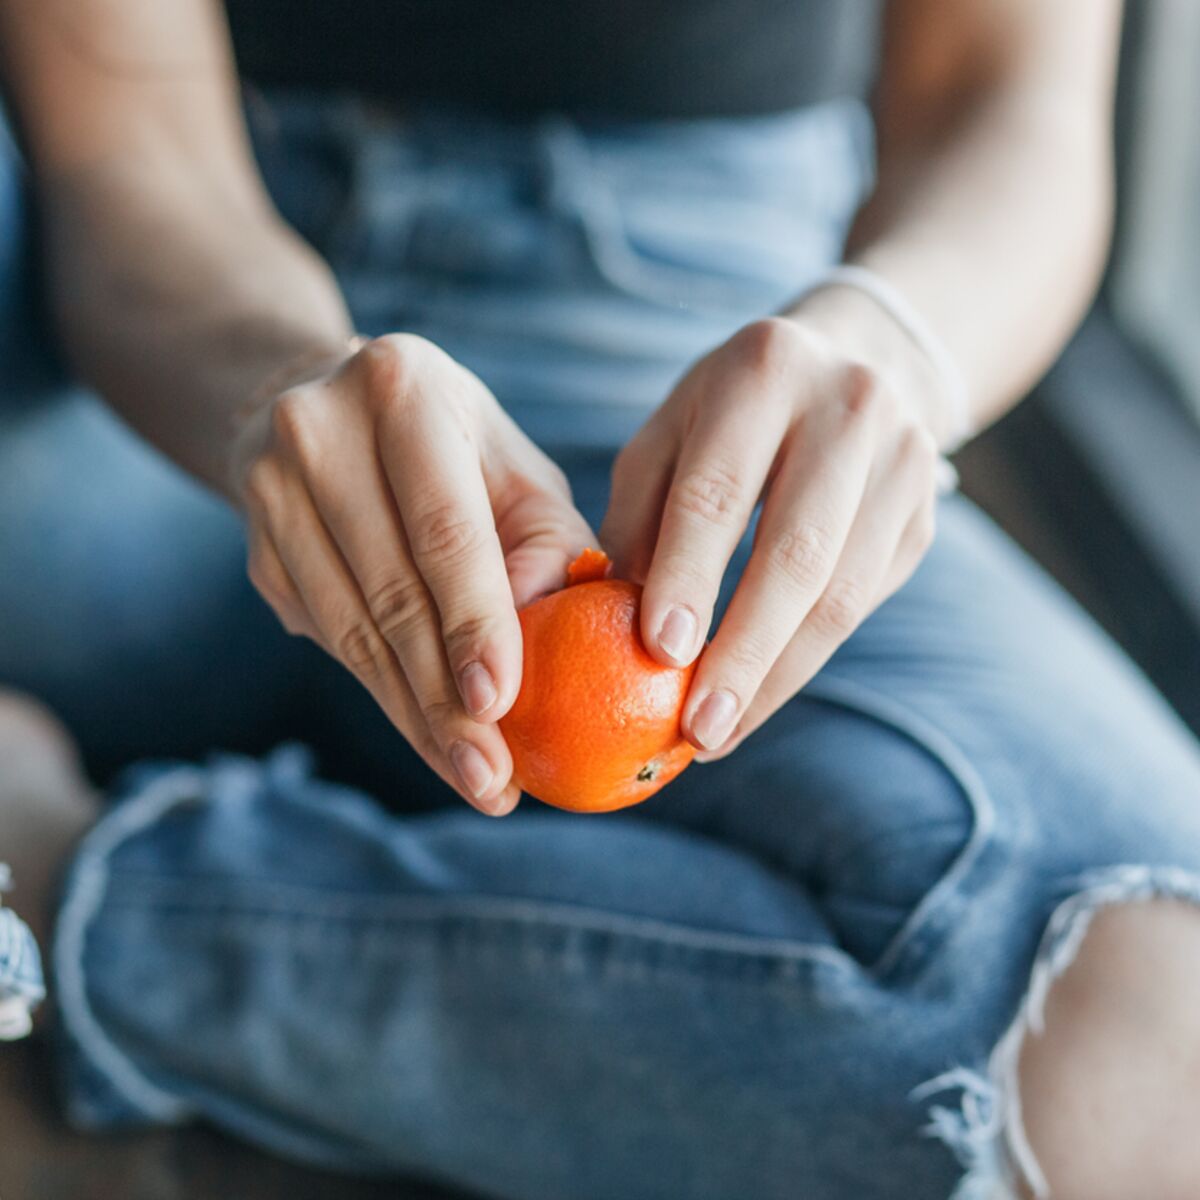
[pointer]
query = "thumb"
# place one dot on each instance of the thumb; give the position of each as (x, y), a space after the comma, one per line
(541, 533)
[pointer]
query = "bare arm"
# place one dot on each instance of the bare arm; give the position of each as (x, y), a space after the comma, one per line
(993, 209)
(375, 528)
(991, 217)
(177, 287)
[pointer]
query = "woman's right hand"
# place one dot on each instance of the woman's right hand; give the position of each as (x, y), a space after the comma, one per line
(399, 517)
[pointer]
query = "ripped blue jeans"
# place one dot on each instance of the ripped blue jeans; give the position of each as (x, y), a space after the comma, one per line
(802, 971)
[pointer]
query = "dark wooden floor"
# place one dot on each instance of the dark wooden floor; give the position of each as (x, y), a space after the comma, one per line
(41, 1160)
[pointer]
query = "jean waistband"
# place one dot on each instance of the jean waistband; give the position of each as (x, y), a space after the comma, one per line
(768, 149)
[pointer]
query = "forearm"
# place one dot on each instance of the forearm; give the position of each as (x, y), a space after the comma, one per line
(998, 239)
(992, 217)
(177, 287)
(176, 304)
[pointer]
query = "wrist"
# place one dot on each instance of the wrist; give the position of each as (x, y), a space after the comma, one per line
(250, 419)
(314, 360)
(865, 327)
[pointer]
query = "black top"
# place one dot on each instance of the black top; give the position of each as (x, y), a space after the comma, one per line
(633, 58)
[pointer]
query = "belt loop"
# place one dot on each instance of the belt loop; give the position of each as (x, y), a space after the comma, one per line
(565, 167)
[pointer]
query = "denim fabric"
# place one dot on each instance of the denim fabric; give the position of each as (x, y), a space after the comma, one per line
(575, 268)
(788, 974)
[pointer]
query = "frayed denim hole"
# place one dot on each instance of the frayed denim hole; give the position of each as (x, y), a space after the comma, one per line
(984, 1129)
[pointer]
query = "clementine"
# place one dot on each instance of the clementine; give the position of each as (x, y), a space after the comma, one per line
(595, 726)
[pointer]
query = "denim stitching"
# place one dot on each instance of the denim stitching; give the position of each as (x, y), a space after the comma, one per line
(560, 951)
(85, 895)
(295, 902)
(849, 694)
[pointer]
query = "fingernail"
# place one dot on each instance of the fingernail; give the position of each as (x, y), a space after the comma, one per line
(474, 771)
(677, 634)
(504, 803)
(713, 722)
(478, 688)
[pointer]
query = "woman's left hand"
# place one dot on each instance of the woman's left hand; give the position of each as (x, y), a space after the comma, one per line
(846, 468)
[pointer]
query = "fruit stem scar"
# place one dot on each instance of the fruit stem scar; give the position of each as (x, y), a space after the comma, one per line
(647, 773)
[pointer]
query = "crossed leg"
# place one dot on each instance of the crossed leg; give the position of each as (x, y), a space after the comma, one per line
(1111, 1090)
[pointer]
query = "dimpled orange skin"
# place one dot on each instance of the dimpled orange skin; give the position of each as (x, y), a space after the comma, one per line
(596, 724)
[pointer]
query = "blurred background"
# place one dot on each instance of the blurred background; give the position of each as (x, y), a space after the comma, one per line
(1097, 475)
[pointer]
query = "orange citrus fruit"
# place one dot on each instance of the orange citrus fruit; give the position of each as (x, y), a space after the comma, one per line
(595, 726)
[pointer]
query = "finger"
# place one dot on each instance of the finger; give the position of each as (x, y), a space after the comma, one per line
(914, 542)
(641, 477)
(540, 530)
(473, 759)
(894, 529)
(719, 475)
(541, 533)
(427, 444)
(401, 608)
(806, 518)
(272, 582)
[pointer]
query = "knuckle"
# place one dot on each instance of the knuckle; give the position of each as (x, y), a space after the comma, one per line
(711, 492)
(408, 347)
(682, 575)
(925, 527)
(263, 572)
(292, 624)
(442, 717)
(418, 735)
(446, 535)
(629, 464)
(361, 647)
(841, 608)
(398, 608)
(260, 576)
(262, 485)
(545, 528)
(747, 660)
(917, 444)
(862, 391)
(292, 616)
(771, 346)
(466, 634)
(293, 427)
(801, 555)
(390, 365)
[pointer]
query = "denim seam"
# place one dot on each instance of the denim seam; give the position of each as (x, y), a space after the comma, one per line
(83, 899)
(779, 977)
(849, 694)
(292, 902)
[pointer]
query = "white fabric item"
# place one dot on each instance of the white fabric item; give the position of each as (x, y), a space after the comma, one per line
(16, 1021)
(21, 988)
